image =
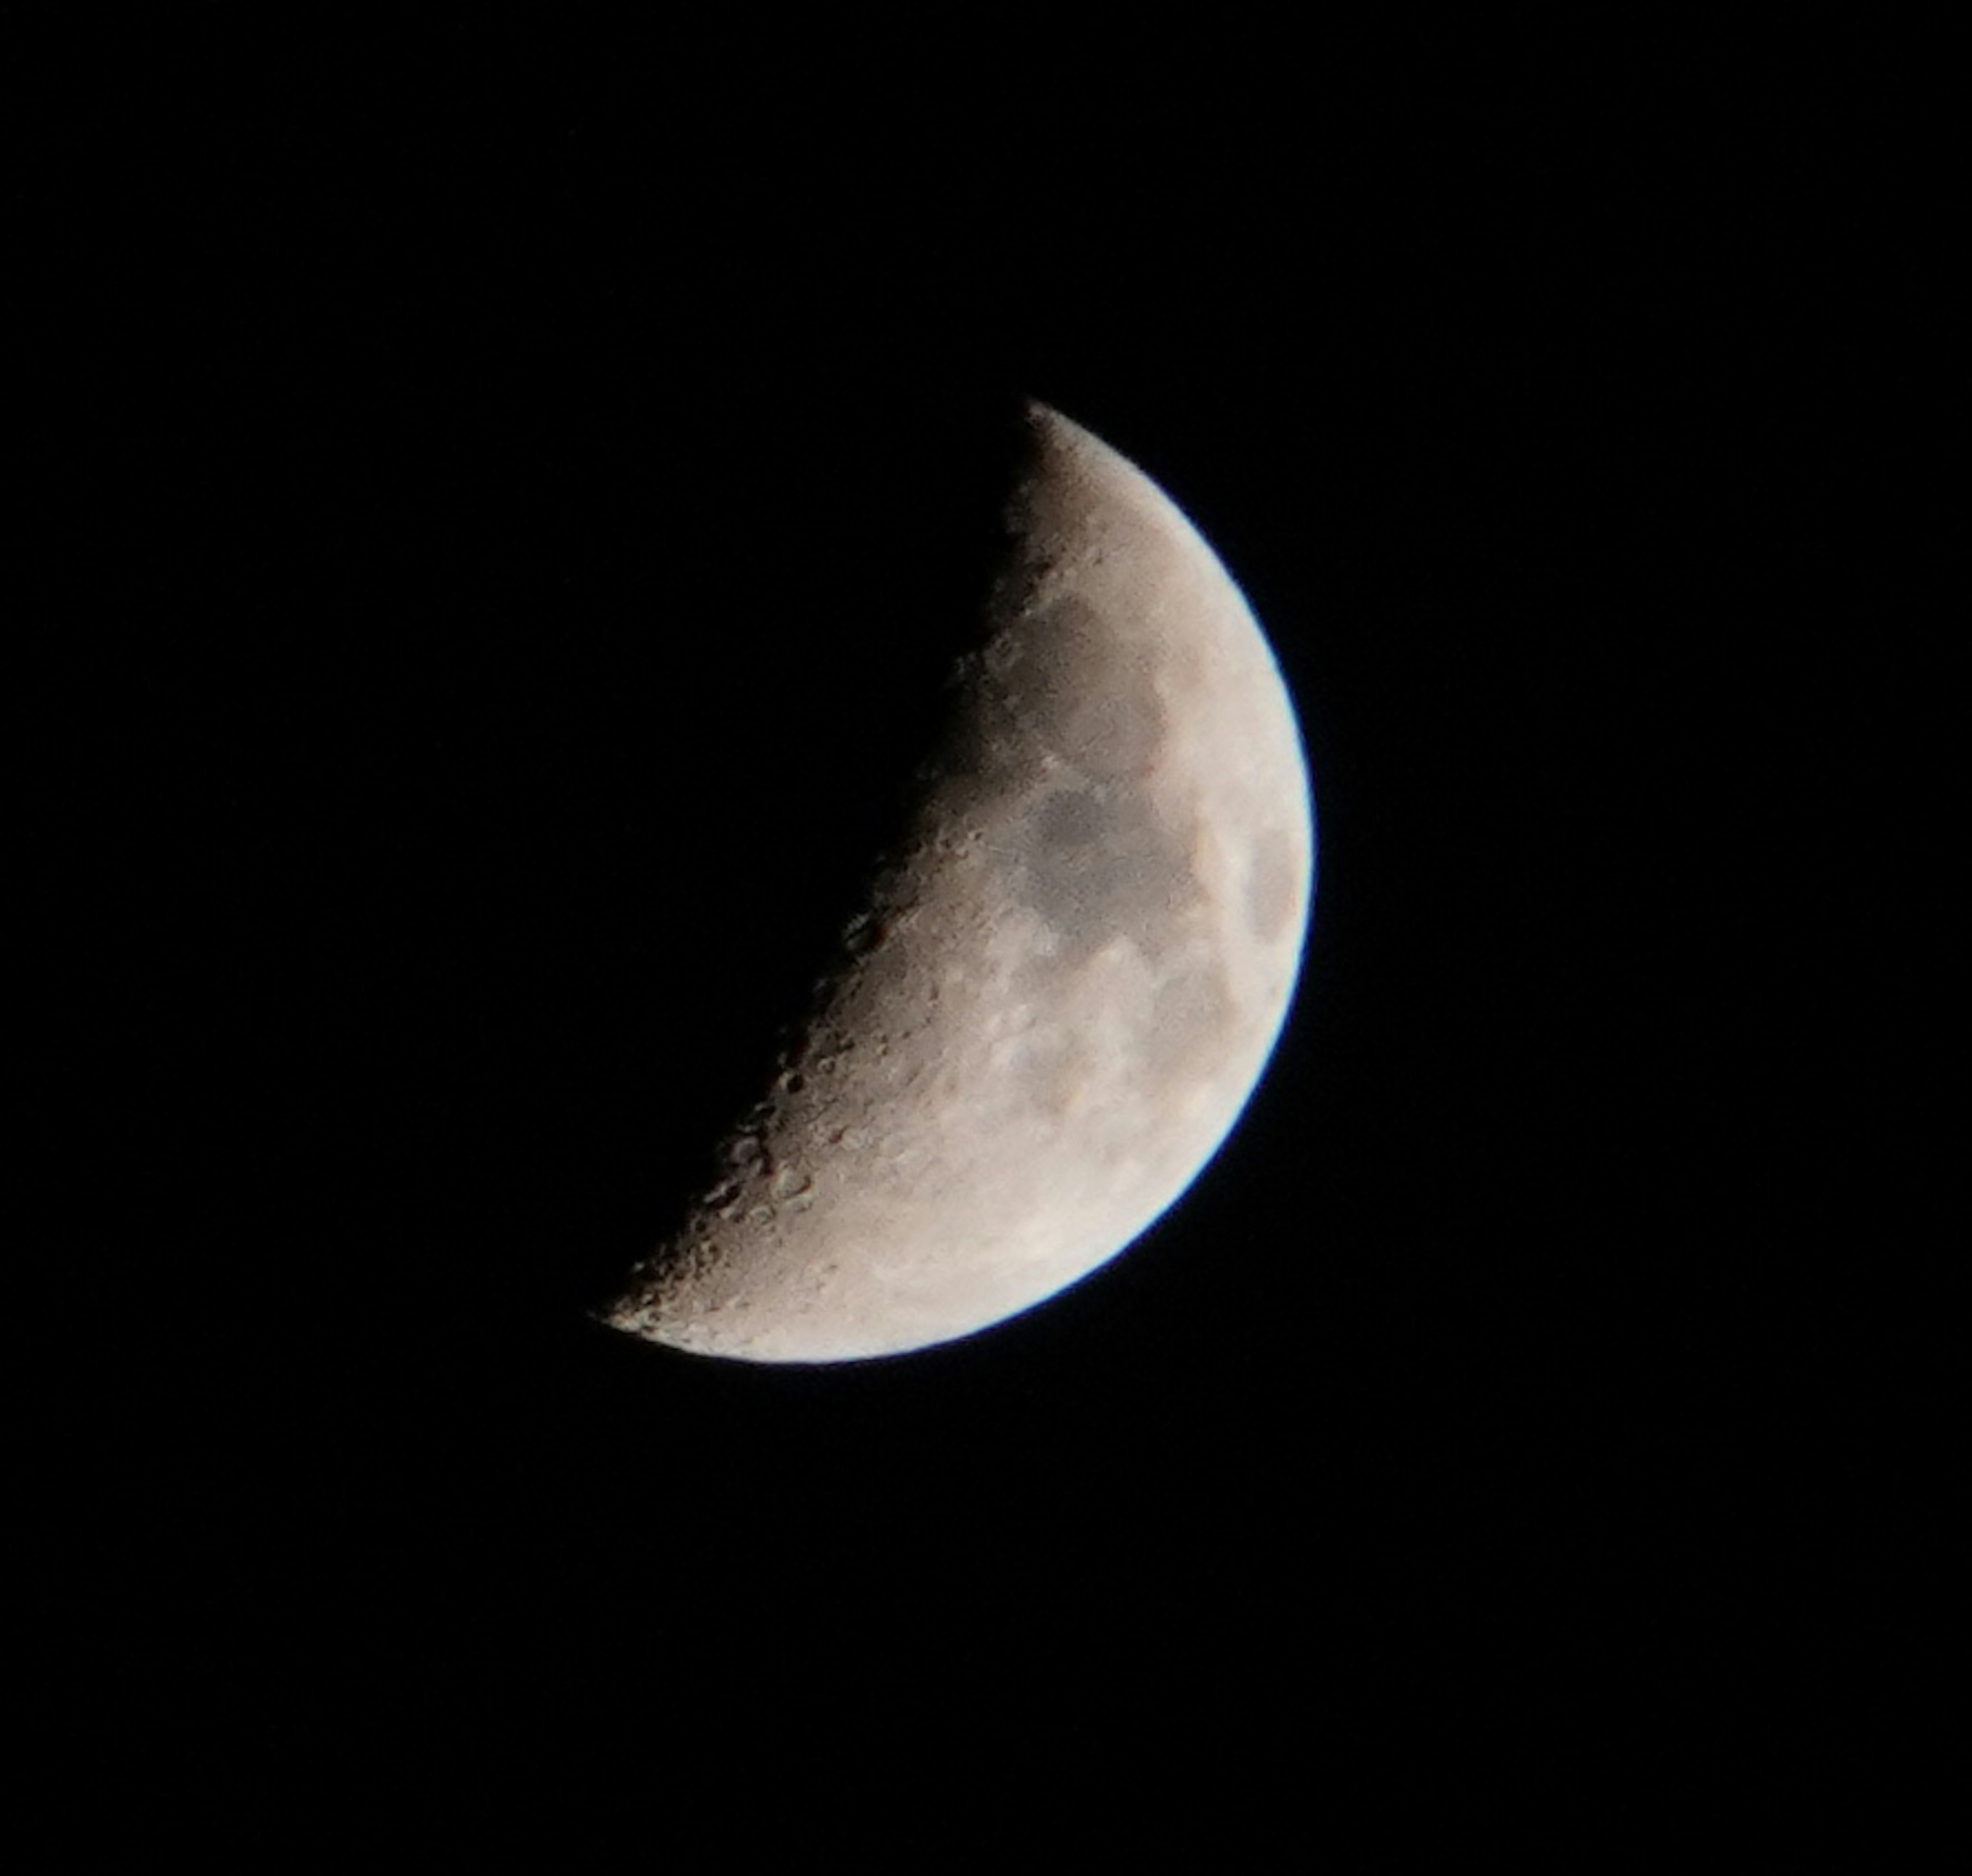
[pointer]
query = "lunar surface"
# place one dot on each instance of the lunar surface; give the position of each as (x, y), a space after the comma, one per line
(1068, 979)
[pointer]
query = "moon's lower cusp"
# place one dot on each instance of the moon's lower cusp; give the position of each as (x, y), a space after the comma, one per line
(1067, 980)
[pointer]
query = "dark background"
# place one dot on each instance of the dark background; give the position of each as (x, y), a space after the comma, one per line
(502, 506)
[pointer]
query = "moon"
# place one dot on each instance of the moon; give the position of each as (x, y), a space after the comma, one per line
(1069, 976)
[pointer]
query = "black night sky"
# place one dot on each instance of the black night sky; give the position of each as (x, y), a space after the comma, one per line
(503, 511)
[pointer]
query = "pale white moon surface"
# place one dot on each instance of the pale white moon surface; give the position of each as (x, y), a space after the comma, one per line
(1068, 981)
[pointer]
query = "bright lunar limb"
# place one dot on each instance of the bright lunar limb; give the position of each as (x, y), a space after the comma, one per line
(1067, 985)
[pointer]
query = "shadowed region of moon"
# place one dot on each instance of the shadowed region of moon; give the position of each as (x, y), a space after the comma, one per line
(1067, 980)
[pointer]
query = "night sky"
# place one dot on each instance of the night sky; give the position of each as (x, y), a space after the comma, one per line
(506, 510)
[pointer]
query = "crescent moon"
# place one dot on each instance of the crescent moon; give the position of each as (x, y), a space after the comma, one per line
(1068, 981)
